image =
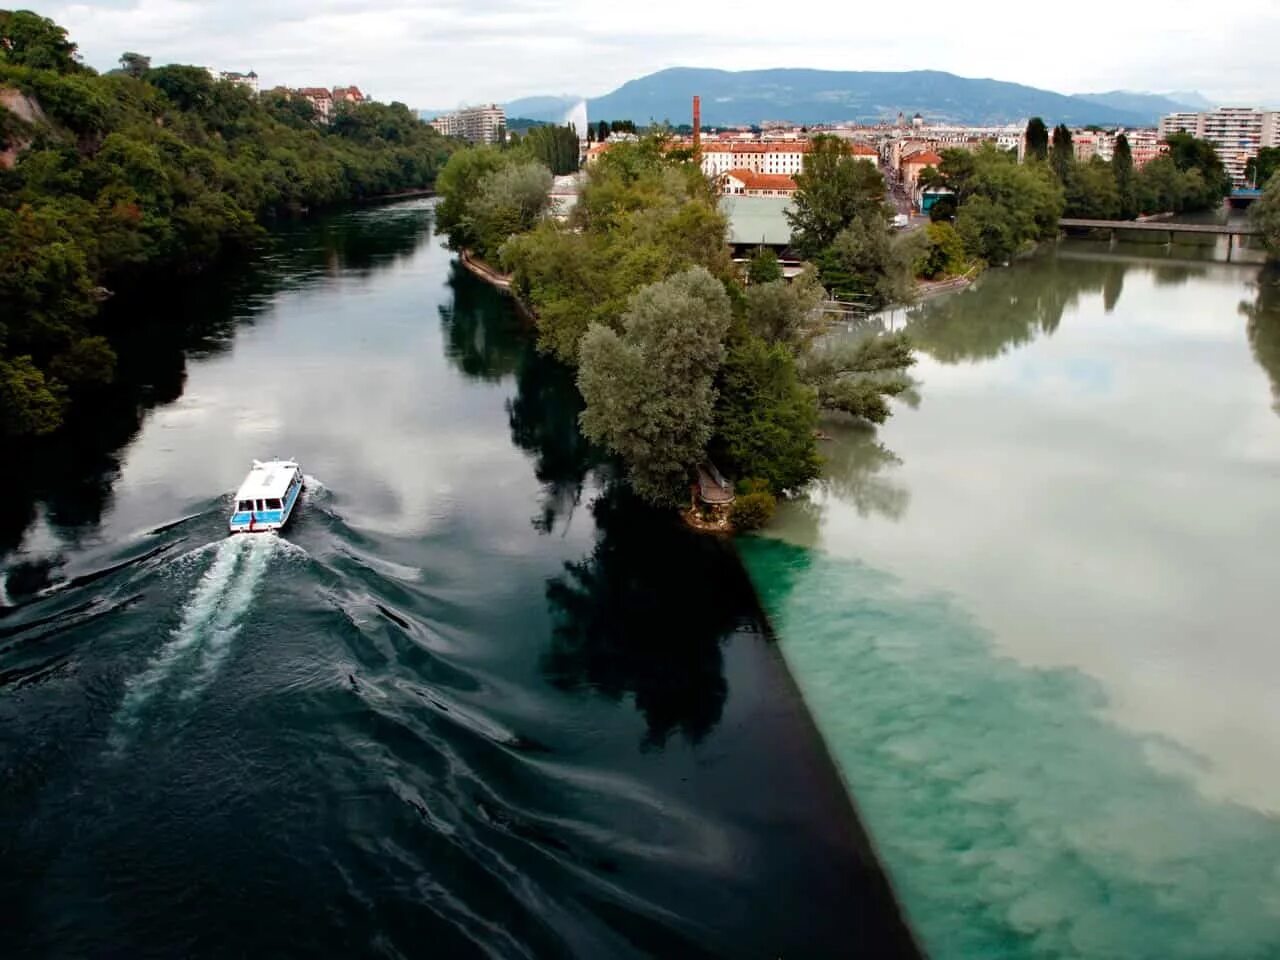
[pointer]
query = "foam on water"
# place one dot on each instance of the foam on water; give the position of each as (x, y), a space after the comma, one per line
(1015, 819)
(212, 615)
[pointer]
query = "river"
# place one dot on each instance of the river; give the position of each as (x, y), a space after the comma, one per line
(475, 702)
(1035, 615)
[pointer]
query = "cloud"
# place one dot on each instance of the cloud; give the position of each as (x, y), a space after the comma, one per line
(456, 51)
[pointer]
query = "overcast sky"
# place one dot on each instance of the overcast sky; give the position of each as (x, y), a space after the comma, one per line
(443, 53)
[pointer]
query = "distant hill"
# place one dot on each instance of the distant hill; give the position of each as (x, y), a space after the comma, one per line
(829, 96)
(1153, 106)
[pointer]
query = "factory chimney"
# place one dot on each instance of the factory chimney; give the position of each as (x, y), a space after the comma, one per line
(697, 128)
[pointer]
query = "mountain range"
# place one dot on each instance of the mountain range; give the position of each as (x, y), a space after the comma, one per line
(732, 98)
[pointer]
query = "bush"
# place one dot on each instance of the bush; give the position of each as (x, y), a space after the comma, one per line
(752, 511)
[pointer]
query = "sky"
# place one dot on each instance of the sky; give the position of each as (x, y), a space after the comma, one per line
(445, 53)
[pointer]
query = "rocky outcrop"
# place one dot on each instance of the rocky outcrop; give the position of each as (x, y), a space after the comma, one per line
(28, 113)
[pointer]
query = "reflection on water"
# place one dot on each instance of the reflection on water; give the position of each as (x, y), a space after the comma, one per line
(1263, 315)
(644, 616)
(1051, 673)
(415, 718)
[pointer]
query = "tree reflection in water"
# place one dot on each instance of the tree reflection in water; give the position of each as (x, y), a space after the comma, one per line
(1014, 306)
(486, 339)
(154, 329)
(645, 614)
(858, 471)
(1263, 326)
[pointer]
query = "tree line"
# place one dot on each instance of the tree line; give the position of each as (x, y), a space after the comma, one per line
(123, 174)
(680, 358)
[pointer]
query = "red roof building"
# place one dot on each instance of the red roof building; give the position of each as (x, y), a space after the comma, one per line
(749, 183)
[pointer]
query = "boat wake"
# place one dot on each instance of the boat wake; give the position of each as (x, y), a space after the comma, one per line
(212, 616)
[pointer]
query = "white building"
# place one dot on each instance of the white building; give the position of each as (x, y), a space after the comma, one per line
(1237, 133)
(786, 159)
(474, 124)
(247, 80)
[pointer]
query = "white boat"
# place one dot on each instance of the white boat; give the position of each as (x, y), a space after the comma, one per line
(267, 497)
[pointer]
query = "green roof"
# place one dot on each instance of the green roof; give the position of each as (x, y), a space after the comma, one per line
(761, 220)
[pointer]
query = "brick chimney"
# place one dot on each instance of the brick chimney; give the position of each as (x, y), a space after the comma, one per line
(697, 128)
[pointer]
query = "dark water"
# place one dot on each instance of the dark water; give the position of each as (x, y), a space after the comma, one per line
(476, 702)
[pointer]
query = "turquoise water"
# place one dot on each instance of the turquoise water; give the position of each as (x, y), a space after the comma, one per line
(1034, 615)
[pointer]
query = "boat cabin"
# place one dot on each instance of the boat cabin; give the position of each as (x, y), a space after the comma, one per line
(267, 497)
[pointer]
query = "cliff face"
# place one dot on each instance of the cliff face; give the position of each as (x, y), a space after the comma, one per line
(17, 113)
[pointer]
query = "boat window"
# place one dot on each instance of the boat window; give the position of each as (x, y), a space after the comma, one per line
(244, 506)
(273, 504)
(260, 507)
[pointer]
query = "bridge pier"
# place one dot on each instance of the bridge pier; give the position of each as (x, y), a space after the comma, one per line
(1230, 237)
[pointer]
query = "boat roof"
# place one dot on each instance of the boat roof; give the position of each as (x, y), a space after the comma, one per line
(268, 478)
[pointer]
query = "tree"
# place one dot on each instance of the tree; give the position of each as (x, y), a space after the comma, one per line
(30, 405)
(832, 190)
(869, 263)
(602, 131)
(459, 185)
(763, 267)
(1037, 137)
(1003, 206)
(1063, 153)
(1259, 170)
(1191, 154)
(782, 312)
(1091, 191)
(1122, 172)
(943, 255)
(649, 390)
(766, 417)
(30, 40)
(135, 64)
(859, 378)
(1266, 215)
(510, 200)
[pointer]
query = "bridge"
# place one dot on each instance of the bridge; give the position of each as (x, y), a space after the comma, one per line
(1228, 230)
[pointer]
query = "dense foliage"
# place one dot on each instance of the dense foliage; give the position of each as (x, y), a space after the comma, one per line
(149, 168)
(1266, 215)
(1260, 169)
(1002, 206)
(676, 360)
(556, 147)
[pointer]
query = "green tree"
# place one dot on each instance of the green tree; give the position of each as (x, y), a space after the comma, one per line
(1191, 154)
(763, 267)
(1122, 171)
(459, 185)
(1091, 191)
(784, 313)
(30, 405)
(867, 262)
(832, 190)
(859, 378)
(1037, 137)
(135, 64)
(943, 255)
(602, 131)
(30, 40)
(1266, 215)
(766, 417)
(649, 390)
(510, 201)
(752, 510)
(1063, 154)
(1259, 170)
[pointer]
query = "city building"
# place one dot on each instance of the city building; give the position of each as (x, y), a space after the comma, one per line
(348, 95)
(485, 124)
(247, 80)
(914, 163)
(1237, 133)
(320, 99)
(748, 183)
(786, 159)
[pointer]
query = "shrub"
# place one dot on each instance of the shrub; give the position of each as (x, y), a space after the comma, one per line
(752, 511)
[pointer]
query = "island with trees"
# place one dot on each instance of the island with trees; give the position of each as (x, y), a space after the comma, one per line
(681, 356)
(107, 179)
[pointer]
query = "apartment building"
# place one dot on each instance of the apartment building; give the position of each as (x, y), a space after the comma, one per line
(1237, 133)
(474, 124)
